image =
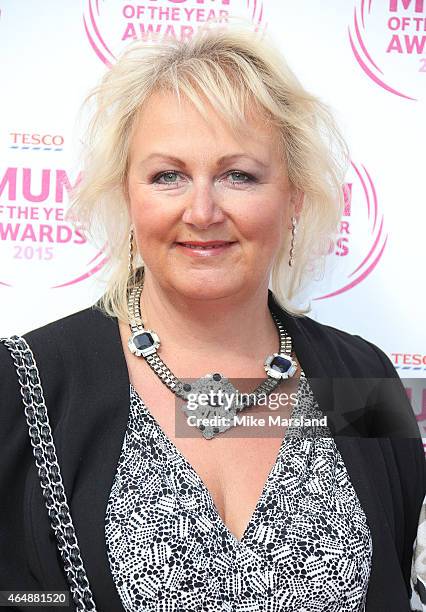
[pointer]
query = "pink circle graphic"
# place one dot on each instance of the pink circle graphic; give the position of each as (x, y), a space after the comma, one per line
(374, 231)
(389, 45)
(140, 21)
(37, 239)
(92, 269)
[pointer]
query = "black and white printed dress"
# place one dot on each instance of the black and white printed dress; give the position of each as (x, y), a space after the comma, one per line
(307, 547)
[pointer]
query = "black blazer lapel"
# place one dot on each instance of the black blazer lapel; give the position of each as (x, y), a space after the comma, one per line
(91, 445)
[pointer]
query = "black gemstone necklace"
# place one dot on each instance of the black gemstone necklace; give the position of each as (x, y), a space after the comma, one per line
(204, 397)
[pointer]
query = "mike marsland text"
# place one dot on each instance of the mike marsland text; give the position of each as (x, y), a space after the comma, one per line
(253, 421)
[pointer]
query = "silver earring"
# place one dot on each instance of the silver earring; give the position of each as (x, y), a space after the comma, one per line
(131, 246)
(293, 240)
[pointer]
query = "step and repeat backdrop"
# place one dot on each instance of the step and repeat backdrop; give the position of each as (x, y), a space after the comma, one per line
(365, 58)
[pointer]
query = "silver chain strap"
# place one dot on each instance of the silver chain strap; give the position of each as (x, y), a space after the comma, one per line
(48, 471)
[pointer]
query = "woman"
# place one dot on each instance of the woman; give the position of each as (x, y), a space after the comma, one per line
(212, 172)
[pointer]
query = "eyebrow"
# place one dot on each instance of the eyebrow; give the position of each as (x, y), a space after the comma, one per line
(220, 161)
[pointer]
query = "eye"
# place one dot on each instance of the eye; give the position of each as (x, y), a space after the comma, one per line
(240, 177)
(168, 176)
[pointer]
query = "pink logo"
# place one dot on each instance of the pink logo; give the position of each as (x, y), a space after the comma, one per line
(362, 239)
(112, 24)
(37, 240)
(388, 40)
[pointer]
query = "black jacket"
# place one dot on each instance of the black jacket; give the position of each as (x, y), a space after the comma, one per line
(86, 384)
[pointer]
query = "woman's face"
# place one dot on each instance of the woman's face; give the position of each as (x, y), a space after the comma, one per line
(192, 181)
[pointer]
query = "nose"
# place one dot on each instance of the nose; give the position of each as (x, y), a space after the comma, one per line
(202, 206)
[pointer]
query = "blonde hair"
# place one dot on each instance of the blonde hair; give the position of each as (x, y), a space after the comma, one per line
(238, 72)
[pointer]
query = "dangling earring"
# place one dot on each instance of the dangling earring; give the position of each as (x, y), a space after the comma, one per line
(131, 271)
(293, 240)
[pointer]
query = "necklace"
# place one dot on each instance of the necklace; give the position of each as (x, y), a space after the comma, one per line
(210, 413)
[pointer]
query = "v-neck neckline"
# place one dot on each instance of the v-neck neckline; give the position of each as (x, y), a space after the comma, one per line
(324, 354)
(201, 482)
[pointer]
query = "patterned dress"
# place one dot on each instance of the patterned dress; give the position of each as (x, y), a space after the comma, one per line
(307, 547)
(418, 566)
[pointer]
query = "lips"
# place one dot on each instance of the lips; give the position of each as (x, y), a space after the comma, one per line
(211, 244)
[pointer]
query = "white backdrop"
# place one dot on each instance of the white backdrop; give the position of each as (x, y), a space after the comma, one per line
(365, 58)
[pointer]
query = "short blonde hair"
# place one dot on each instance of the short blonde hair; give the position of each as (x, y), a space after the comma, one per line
(238, 72)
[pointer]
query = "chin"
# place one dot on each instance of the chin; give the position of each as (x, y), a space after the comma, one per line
(210, 289)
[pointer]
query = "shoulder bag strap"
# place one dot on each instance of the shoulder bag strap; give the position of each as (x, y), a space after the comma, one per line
(48, 470)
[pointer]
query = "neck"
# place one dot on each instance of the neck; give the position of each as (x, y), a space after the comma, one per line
(210, 330)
